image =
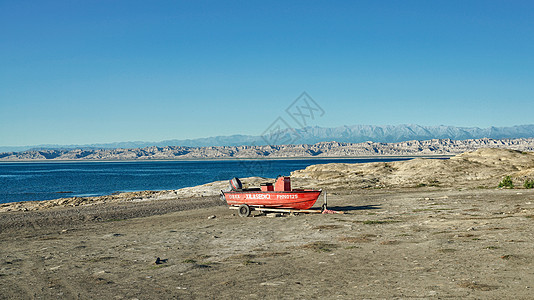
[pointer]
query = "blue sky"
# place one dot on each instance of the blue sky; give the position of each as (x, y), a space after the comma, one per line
(76, 72)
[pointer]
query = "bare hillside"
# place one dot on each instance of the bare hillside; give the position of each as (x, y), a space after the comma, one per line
(324, 149)
(484, 167)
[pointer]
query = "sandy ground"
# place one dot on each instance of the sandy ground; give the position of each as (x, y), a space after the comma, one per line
(428, 242)
(411, 230)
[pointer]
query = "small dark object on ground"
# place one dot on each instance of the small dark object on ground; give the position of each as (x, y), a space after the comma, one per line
(160, 261)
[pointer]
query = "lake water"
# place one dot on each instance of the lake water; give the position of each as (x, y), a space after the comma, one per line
(51, 180)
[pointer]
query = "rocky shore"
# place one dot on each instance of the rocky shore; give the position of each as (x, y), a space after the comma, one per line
(483, 168)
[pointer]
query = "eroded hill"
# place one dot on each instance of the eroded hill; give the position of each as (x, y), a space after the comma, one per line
(484, 168)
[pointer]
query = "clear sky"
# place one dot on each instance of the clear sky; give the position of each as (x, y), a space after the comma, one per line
(77, 72)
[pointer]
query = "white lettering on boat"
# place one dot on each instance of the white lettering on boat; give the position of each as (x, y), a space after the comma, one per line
(257, 196)
(286, 196)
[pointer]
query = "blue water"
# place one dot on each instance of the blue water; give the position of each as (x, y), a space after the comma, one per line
(51, 180)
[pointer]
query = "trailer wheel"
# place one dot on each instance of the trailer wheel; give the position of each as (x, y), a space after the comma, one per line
(244, 210)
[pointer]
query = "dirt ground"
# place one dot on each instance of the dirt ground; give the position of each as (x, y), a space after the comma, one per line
(428, 242)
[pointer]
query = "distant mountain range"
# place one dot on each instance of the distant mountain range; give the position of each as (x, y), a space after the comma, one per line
(313, 135)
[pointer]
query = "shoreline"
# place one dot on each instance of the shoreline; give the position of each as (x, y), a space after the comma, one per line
(70, 195)
(336, 150)
(436, 156)
(484, 168)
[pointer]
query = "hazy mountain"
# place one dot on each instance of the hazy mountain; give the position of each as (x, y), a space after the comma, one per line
(312, 135)
(401, 133)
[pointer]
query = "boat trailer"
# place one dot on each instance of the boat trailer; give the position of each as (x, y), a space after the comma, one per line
(244, 210)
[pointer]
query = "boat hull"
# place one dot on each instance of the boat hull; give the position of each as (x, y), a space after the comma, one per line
(273, 199)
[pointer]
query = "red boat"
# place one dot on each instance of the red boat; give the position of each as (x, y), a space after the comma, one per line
(281, 196)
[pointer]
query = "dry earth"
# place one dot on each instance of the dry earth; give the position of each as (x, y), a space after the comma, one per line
(455, 236)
